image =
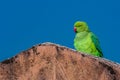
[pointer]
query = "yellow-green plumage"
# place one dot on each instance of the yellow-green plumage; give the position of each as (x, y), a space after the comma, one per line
(85, 41)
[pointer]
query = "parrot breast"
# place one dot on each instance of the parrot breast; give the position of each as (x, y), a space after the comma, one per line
(83, 43)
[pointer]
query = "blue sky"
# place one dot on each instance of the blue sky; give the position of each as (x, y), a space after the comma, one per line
(24, 23)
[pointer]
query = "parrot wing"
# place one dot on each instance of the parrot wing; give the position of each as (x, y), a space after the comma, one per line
(96, 43)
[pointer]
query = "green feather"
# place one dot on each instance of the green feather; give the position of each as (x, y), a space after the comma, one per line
(97, 44)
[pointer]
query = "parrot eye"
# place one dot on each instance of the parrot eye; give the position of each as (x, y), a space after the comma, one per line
(80, 24)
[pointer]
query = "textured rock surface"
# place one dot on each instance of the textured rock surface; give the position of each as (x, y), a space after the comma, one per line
(52, 62)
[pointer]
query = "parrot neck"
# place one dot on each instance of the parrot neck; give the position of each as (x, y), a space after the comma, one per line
(84, 31)
(82, 34)
(87, 29)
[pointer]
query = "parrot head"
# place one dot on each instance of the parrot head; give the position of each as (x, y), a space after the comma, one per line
(80, 26)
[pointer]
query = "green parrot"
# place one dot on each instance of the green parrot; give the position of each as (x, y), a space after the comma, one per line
(85, 41)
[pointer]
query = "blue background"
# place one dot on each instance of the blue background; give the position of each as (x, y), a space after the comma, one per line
(24, 23)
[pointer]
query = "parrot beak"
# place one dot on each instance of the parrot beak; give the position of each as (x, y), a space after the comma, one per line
(75, 30)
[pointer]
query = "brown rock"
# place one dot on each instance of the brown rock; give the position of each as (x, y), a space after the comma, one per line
(52, 62)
